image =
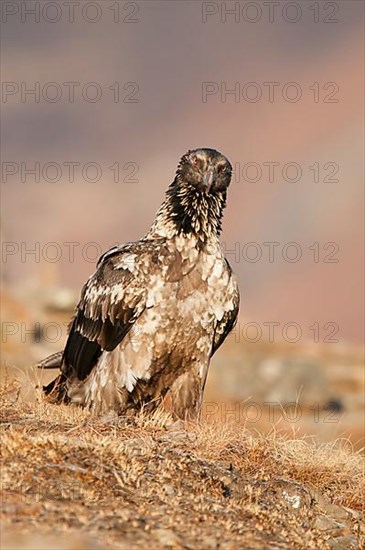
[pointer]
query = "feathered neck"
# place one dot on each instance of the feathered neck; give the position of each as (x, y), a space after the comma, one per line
(187, 211)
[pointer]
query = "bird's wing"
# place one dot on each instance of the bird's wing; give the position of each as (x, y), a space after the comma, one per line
(228, 321)
(111, 300)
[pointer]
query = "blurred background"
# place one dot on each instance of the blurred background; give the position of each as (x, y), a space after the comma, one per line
(99, 102)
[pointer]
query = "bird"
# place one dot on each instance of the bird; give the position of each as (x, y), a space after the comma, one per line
(156, 310)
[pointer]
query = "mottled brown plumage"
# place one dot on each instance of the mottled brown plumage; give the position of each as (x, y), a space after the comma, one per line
(155, 311)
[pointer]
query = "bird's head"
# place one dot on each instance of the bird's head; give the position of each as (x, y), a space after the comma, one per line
(196, 198)
(206, 170)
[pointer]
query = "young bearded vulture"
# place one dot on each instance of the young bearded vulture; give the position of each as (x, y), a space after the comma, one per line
(156, 310)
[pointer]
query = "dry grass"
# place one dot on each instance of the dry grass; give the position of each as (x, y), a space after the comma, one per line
(145, 481)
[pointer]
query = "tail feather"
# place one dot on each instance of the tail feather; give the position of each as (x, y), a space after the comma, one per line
(52, 361)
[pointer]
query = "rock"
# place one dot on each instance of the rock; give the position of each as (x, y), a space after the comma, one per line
(357, 516)
(323, 523)
(210, 543)
(34, 541)
(338, 513)
(344, 543)
(292, 495)
(168, 539)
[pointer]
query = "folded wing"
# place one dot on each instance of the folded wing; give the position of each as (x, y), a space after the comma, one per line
(111, 301)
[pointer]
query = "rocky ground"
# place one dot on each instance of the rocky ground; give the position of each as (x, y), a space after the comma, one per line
(70, 481)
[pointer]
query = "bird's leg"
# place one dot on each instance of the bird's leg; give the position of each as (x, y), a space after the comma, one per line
(187, 393)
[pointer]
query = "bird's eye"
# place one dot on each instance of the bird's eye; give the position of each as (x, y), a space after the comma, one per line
(195, 162)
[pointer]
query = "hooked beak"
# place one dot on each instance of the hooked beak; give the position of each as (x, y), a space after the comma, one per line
(208, 179)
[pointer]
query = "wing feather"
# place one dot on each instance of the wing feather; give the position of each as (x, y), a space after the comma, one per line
(229, 319)
(111, 301)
